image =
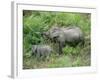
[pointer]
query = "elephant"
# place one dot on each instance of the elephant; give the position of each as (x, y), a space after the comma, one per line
(41, 51)
(65, 35)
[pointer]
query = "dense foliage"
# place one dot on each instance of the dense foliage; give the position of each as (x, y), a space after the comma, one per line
(36, 22)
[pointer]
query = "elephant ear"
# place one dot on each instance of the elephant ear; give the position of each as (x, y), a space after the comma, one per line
(61, 38)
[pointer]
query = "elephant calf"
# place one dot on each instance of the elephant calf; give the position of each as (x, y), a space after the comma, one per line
(41, 51)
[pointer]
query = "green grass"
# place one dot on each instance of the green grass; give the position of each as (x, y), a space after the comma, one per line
(35, 22)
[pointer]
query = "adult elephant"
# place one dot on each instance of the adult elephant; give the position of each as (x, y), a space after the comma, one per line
(65, 35)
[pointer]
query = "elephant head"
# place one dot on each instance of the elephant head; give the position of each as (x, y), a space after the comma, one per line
(52, 33)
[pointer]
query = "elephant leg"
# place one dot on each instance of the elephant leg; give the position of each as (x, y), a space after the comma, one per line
(60, 48)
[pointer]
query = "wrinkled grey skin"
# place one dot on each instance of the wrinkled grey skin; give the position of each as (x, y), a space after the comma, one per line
(63, 36)
(41, 51)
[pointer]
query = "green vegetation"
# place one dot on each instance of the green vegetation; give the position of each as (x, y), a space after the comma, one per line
(35, 22)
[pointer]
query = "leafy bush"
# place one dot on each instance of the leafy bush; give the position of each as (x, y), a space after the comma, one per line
(71, 50)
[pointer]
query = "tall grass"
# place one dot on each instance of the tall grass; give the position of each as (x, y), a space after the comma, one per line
(36, 22)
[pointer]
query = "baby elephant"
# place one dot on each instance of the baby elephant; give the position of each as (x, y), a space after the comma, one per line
(41, 51)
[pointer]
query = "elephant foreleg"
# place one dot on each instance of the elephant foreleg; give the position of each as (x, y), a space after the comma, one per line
(60, 48)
